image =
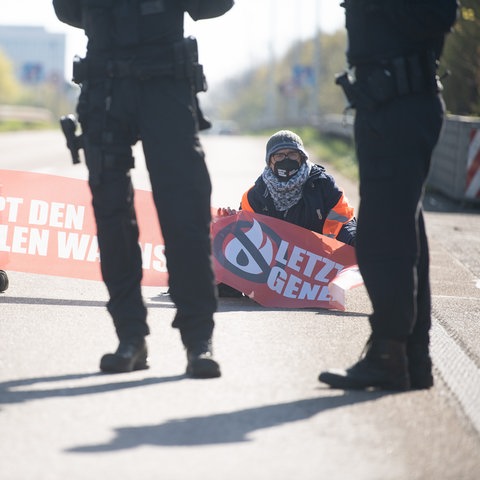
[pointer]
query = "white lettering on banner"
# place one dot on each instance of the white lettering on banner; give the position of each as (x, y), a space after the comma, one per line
(315, 292)
(78, 247)
(153, 257)
(300, 256)
(276, 279)
(13, 203)
(309, 291)
(295, 258)
(282, 253)
(313, 259)
(308, 265)
(3, 239)
(59, 215)
(31, 241)
(38, 242)
(321, 276)
(291, 286)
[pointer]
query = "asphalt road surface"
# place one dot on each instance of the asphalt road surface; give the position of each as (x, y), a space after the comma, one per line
(267, 417)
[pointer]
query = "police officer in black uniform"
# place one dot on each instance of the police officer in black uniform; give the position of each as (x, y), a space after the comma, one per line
(393, 51)
(139, 82)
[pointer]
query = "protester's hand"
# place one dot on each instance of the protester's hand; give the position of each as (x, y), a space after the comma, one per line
(226, 212)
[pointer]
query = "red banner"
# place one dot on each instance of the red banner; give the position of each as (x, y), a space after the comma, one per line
(47, 226)
(276, 263)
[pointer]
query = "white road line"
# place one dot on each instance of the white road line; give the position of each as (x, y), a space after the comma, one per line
(458, 371)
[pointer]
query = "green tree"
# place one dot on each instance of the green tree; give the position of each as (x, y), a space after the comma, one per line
(10, 90)
(462, 59)
(272, 94)
(330, 96)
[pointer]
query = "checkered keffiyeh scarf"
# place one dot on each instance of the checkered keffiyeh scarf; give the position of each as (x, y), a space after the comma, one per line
(286, 194)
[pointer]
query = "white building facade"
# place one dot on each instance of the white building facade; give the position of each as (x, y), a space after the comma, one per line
(37, 56)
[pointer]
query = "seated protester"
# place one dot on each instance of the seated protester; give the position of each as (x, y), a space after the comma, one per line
(293, 189)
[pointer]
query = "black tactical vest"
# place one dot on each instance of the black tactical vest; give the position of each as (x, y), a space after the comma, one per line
(119, 26)
(383, 29)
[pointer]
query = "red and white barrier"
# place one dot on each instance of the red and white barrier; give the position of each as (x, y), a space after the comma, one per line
(472, 184)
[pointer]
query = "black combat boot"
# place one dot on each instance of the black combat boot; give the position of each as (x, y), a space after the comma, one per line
(131, 355)
(419, 366)
(383, 366)
(200, 360)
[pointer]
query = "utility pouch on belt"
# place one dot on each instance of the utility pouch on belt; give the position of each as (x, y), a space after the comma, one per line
(79, 70)
(186, 63)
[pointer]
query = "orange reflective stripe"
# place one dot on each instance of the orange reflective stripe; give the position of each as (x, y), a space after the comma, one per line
(340, 214)
(245, 205)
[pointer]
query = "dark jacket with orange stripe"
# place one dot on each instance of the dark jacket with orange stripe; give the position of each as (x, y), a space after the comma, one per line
(323, 207)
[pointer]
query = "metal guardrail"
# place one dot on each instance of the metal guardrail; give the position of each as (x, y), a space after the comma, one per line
(24, 114)
(455, 169)
(336, 125)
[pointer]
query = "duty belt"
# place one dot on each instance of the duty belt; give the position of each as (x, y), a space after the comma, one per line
(88, 69)
(180, 60)
(370, 84)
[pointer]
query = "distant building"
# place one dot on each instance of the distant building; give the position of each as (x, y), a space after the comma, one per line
(37, 56)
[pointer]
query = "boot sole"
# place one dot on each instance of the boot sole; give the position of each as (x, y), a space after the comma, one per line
(109, 367)
(346, 383)
(203, 368)
(421, 384)
(421, 378)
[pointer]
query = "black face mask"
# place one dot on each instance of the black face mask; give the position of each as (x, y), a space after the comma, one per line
(285, 169)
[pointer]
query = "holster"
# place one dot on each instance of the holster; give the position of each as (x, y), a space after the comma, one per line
(355, 96)
(186, 63)
(68, 123)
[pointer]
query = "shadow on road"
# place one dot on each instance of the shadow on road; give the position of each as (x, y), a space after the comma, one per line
(245, 304)
(231, 427)
(71, 302)
(15, 391)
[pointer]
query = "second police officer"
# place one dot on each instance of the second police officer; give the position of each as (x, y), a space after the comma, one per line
(394, 47)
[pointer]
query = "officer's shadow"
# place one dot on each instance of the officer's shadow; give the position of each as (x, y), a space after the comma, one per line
(224, 428)
(246, 304)
(230, 427)
(38, 388)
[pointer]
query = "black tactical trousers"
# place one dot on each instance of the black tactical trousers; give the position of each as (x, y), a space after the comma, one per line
(161, 112)
(394, 144)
